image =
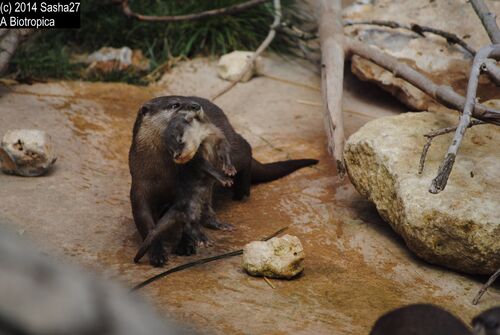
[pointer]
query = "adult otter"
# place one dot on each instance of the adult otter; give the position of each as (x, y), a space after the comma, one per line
(419, 319)
(196, 178)
(154, 174)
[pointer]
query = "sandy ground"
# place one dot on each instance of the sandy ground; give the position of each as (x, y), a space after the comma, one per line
(356, 267)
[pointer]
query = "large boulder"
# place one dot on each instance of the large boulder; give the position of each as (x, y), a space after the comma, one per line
(458, 228)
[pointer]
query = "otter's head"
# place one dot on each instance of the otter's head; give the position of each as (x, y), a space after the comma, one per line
(183, 135)
(155, 115)
(488, 322)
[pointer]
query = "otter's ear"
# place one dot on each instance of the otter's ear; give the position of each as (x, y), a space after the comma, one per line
(144, 109)
(200, 115)
(189, 117)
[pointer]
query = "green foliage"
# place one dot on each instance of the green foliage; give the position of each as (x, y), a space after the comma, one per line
(47, 53)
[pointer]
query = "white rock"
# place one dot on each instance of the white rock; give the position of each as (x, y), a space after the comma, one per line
(458, 228)
(26, 152)
(232, 64)
(280, 257)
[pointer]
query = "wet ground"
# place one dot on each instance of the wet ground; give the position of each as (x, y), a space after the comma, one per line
(356, 268)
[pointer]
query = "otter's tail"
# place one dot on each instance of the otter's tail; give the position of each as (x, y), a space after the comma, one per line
(262, 173)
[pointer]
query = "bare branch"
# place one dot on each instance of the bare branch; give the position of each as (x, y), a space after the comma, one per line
(442, 93)
(490, 66)
(439, 183)
(250, 63)
(331, 37)
(196, 16)
(430, 136)
(8, 45)
(418, 29)
(485, 287)
(488, 20)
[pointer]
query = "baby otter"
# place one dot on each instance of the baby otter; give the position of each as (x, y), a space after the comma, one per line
(200, 148)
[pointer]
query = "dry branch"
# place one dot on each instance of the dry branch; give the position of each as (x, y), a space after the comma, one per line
(488, 20)
(331, 37)
(442, 93)
(490, 66)
(430, 136)
(250, 63)
(418, 29)
(196, 16)
(485, 287)
(10, 40)
(439, 183)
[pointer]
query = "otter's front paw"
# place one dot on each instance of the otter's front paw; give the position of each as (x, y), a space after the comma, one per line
(229, 169)
(227, 182)
(157, 256)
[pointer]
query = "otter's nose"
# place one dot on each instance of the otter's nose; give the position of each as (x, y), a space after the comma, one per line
(194, 106)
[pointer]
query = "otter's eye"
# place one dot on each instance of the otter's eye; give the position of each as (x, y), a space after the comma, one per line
(179, 139)
(175, 106)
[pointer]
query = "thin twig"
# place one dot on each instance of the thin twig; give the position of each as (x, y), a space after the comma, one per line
(430, 136)
(199, 262)
(442, 93)
(488, 19)
(269, 283)
(196, 16)
(250, 62)
(485, 287)
(331, 36)
(439, 183)
(418, 29)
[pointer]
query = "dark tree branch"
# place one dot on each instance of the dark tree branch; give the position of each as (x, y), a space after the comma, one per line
(439, 183)
(430, 136)
(196, 16)
(488, 20)
(485, 287)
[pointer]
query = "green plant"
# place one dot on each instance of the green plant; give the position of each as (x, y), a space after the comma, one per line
(47, 53)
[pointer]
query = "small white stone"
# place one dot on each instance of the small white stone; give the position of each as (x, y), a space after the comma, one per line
(280, 257)
(26, 152)
(232, 64)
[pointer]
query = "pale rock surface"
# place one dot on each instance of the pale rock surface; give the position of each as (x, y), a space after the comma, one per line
(432, 55)
(232, 64)
(280, 257)
(26, 152)
(457, 228)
